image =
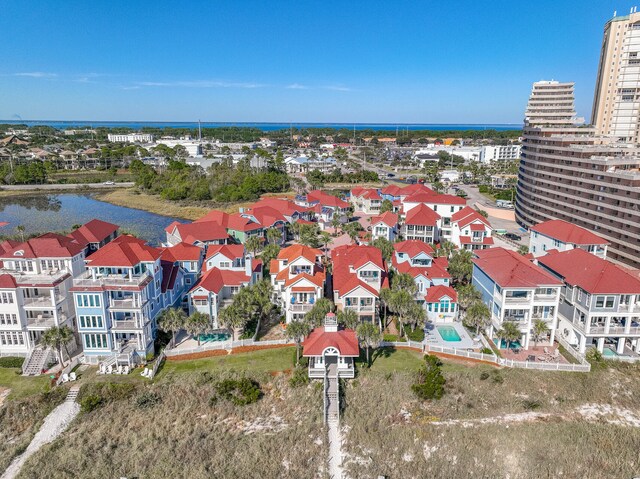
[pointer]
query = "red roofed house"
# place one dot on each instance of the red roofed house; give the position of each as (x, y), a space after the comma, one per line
(384, 226)
(441, 303)
(185, 260)
(599, 304)
(563, 236)
(399, 193)
(331, 351)
(516, 290)
(290, 210)
(444, 205)
(366, 200)
(35, 280)
(325, 206)
(422, 223)
(199, 233)
(359, 273)
(470, 230)
(94, 234)
(217, 286)
(298, 279)
(119, 298)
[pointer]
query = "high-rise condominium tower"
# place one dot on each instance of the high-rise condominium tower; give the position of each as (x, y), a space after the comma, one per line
(567, 172)
(616, 103)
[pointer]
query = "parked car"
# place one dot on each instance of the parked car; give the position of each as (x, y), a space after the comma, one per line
(513, 236)
(390, 175)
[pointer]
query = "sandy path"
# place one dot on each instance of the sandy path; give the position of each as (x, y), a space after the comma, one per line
(54, 424)
(335, 450)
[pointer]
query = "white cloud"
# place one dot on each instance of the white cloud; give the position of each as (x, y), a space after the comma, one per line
(297, 86)
(337, 88)
(36, 74)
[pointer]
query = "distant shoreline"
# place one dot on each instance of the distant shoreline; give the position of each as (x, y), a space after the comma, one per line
(267, 126)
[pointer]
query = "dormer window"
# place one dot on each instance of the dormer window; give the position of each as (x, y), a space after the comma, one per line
(19, 253)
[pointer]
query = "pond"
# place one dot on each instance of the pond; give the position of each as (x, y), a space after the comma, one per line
(59, 212)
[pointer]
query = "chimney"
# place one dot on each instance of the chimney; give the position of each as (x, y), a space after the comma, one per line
(248, 266)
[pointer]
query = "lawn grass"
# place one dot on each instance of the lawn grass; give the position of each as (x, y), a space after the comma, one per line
(390, 359)
(263, 361)
(22, 386)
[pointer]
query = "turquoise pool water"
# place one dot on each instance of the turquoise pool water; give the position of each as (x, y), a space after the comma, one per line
(503, 344)
(449, 333)
(205, 338)
(608, 352)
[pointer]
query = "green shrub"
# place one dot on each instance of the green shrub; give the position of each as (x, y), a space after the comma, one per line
(484, 375)
(416, 335)
(90, 402)
(300, 377)
(147, 399)
(483, 189)
(531, 404)
(11, 362)
(594, 356)
(487, 351)
(238, 391)
(392, 338)
(497, 377)
(430, 383)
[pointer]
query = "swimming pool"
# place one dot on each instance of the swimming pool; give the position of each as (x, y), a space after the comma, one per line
(502, 344)
(448, 333)
(608, 352)
(204, 338)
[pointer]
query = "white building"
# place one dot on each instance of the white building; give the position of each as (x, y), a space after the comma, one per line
(130, 138)
(491, 153)
(193, 147)
(451, 176)
(564, 236)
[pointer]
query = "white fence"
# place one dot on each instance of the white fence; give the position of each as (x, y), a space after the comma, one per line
(228, 345)
(492, 358)
(159, 360)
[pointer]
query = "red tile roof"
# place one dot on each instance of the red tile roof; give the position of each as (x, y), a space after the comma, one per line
(511, 270)
(326, 199)
(367, 193)
(435, 293)
(487, 240)
(413, 248)
(231, 251)
(388, 218)
(200, 231)
(352, 256)
(435, 271)
(49, 245)
(421, 215)
(124, 251)
(95, 231)
(215, 279)
(266, 215)
(291, 253)
(7, 282)
(468, 215)
(182, 252)
(284, 206)
(592, 274)
(568, 233)
(344, 340)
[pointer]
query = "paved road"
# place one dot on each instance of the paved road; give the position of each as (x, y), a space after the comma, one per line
(65, 186)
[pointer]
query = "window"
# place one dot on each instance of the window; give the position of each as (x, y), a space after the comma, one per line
(91, 322)
(11, 338)
(609, 302)
(225, 264)
(187, 280)
(6, 298)
(599, 301)
(95, 341)
(8, 319)
(88, 300)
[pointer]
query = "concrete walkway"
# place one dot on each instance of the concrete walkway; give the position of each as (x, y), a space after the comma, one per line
(54, 424)
(335, 450)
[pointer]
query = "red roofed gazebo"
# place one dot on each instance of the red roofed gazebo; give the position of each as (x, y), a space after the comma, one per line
(331, 350)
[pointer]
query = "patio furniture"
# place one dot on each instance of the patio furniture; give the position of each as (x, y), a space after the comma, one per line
(144, 373)
(120, 370)
(542, 359)
(125, 370)
(103, 369)
(109, 369)
(531, 358)
(546, 350)
(65, 378)
(72, 376)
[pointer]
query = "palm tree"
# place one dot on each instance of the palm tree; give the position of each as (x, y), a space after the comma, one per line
(385, 298)
(325, 240)
(348, 318)
(320, 309)
(509, 333)
(335, 222)
(523, 250)
(401, 303)
(369, 336)
(20, 230)
(477, 316)
(58, 338)
(197, 324)
(297, 330)
(274, 235)
(253, 244)
(539, 331)
(467, 295)
(172, 320)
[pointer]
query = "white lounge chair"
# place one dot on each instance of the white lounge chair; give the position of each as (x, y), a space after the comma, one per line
(65, 378)
(72, 376)
(103, 369)
(109, 369)
(125, 370)
(144, 373)
(546, 350)
(120, 370)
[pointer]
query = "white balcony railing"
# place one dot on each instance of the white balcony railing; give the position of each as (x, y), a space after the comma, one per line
(42, 301)
(300, 307)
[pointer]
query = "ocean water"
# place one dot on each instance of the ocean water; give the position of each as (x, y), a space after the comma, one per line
(136, 125)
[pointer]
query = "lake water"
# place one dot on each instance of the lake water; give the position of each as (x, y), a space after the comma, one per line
(136, 125)
(59, 212)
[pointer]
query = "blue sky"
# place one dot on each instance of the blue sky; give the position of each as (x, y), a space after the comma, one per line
(318, 61)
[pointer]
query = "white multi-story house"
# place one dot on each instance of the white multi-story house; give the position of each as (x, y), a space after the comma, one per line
(298, 278)
(421, 223)
(563, 236)
(470, 230)
(35, 280)
(359, 273)
(217, 287)
(130, 138)
(516, 290)
(366, 200)
(599, 303)
(118, 300)
(384, 226)
(444, 205)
